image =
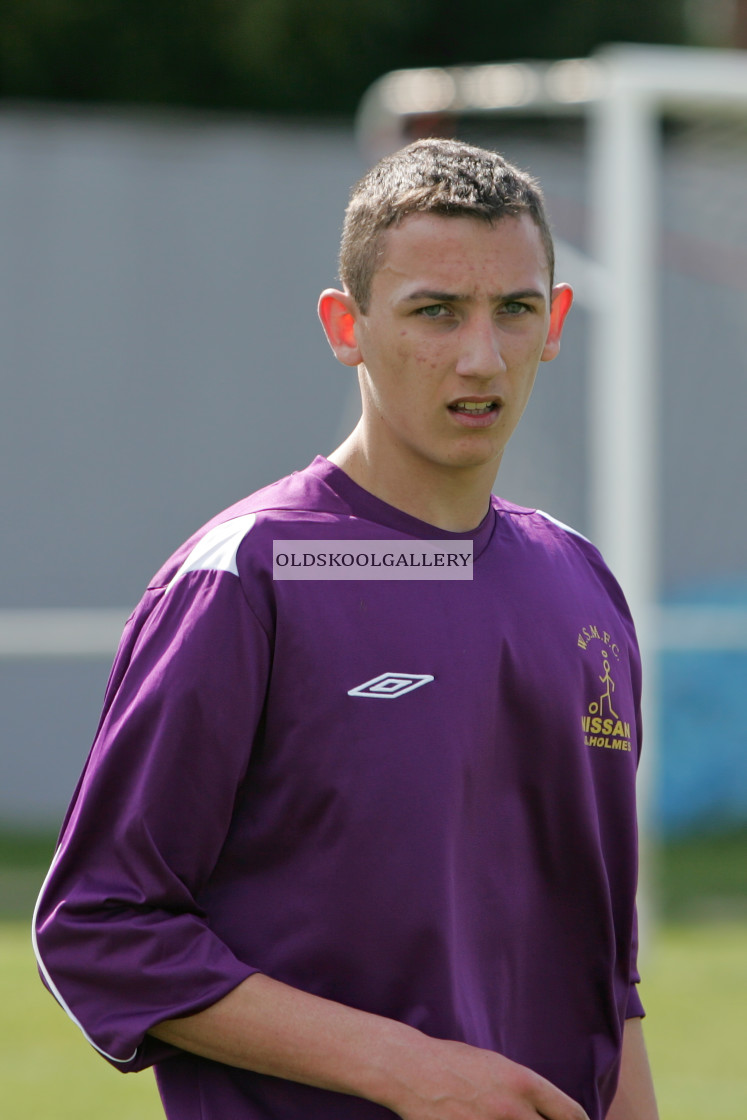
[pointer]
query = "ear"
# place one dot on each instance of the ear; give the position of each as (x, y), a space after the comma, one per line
(338, 311)
(560, 305)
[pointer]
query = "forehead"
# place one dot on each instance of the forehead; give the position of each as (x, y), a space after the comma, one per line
(462, 253)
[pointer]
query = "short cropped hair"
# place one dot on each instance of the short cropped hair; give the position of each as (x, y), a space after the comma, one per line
(432, 176)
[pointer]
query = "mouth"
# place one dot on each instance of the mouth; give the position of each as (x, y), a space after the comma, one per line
(475, 412)
(474, 408)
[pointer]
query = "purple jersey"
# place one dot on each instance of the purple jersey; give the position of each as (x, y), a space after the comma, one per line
(459, 855)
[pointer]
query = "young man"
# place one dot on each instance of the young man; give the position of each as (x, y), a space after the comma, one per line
(299, 902)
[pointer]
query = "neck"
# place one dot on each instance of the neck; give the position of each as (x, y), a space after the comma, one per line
(453, 499)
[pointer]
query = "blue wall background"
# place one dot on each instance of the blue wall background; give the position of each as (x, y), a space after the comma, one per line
(701, 780)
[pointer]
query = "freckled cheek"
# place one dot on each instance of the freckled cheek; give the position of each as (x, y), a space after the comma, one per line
(434, 355)
(417, 357)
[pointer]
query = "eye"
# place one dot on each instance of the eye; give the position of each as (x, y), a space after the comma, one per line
(516, 307)
(433, 311)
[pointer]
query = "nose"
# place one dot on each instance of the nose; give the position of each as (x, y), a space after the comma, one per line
(480, 354)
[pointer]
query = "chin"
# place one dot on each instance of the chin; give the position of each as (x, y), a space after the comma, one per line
(477, 452)
(473, 459)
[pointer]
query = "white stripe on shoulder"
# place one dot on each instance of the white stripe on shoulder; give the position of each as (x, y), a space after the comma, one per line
(562, 525)
(216, 551)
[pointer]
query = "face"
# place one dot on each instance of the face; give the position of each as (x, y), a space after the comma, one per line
(459, 318)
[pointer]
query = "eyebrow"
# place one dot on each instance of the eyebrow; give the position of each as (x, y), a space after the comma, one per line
(456, 297)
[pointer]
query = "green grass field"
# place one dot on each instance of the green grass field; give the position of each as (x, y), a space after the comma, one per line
(695, 991)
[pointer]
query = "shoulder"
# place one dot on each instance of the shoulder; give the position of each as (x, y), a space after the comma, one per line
(226, 566)
(544, 537)
(299, 497)
(541, 528)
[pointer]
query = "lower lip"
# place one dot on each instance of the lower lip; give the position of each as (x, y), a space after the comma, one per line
(469, 420)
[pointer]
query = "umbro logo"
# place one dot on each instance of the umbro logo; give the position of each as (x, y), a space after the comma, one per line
(388, 685)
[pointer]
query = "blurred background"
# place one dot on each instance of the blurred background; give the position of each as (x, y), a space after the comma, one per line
(172, 183)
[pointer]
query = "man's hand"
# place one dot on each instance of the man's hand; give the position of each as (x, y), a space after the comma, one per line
(271, 1028)
(453, 1081)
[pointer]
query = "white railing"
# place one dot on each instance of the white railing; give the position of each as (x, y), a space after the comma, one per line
(60, 633)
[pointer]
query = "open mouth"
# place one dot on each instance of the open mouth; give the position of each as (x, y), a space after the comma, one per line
(474, 408)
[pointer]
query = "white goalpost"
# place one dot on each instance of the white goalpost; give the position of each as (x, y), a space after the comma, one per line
(623, 92)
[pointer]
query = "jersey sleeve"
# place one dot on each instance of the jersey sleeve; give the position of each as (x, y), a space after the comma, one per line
(121, 939)
(634, 1009)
